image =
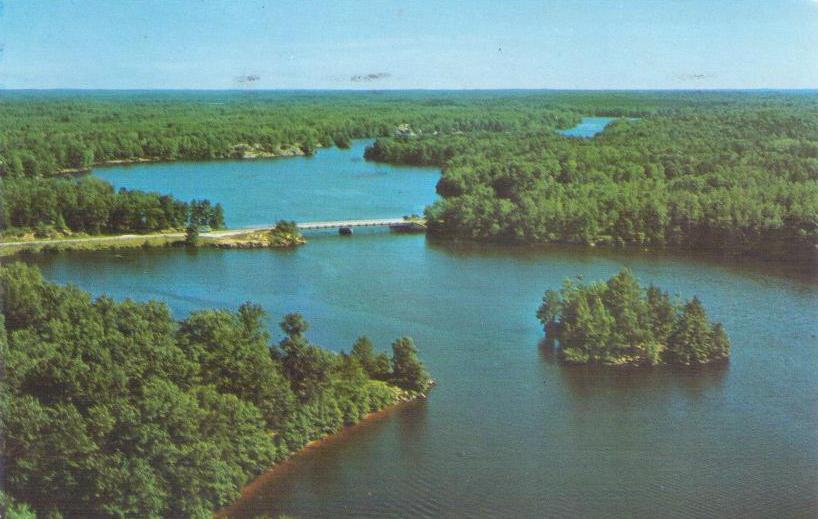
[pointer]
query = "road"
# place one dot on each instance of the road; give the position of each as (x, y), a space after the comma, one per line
(226, 233)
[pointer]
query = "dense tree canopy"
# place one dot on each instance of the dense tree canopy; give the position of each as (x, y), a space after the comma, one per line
(740, 176)
(90, 205)
(113, 409)
(42, 134)
(47, 134)
(730, 171)
(619, 323)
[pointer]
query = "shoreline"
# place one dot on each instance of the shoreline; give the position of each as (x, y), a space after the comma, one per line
(291, 462)
(285, 152)
(121, 241)
(802, 264)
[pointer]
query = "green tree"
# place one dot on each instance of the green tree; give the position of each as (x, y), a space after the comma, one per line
(117, 410)
(13, 510)
(306, 366)
(216, 220)
(690, 335)
(662, 314)
(376, 365)
(407, 370)
(295, 326)
(548, 314)
(192, 237)
(618, 323)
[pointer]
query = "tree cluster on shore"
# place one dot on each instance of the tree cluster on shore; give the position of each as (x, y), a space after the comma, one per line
(619, 323)
(740, 177)
(50, 206)
(114, 409)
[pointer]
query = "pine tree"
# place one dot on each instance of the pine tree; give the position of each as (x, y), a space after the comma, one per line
(690, 341)
(407, 370)
(661, 314)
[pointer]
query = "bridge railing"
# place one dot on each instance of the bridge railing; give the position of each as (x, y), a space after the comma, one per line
(352, 223)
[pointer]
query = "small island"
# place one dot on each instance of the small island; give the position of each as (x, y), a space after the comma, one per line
(618, 323)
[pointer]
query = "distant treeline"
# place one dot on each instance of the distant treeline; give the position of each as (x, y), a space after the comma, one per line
(730, 171)
(90, 205)
(113, 409)
(43, 134)
(740, 177)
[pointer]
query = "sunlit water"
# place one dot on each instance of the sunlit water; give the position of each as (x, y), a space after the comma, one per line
(588, 127)
(334, 184)
(507, 432)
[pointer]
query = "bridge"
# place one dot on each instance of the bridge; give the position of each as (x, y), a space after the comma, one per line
(392, 223)
(343, 226)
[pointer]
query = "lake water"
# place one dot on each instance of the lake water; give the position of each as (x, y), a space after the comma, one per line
(507, 432)
(333, 184)
(588, 127)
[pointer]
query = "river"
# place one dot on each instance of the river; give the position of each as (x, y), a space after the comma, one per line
(507, 432)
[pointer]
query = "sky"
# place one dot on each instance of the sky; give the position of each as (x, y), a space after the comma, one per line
(408, 44)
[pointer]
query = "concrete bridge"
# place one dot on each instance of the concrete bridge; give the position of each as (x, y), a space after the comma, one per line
(392, 223)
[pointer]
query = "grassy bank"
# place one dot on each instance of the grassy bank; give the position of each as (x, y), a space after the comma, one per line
(96, 243)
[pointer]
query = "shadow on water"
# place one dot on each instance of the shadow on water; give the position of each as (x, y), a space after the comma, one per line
(311, 470)
(412, 421)
(588, 382)
(803, 269)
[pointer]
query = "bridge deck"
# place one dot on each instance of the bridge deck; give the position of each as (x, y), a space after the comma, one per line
(337, 224)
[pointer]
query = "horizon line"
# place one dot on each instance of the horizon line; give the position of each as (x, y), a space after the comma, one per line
(417, 89)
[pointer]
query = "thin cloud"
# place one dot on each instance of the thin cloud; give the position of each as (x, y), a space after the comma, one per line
(367, 78)
(698, 76)
(247, 79)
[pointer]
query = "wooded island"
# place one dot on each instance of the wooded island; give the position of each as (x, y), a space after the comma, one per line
(619, 323)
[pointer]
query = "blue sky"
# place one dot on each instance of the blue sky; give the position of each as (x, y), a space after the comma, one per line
(409, 44)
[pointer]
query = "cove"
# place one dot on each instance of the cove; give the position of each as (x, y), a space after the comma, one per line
(334, 184)
(507, 432)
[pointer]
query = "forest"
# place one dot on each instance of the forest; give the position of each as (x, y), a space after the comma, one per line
(47, 135)
(724, 171)
(619, 323)
(740, 178)
(53, 206)
(115, 409)
(44, 134)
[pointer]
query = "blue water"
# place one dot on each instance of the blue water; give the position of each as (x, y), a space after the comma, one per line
(588, 127)
(334, 184)
(508, 431)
